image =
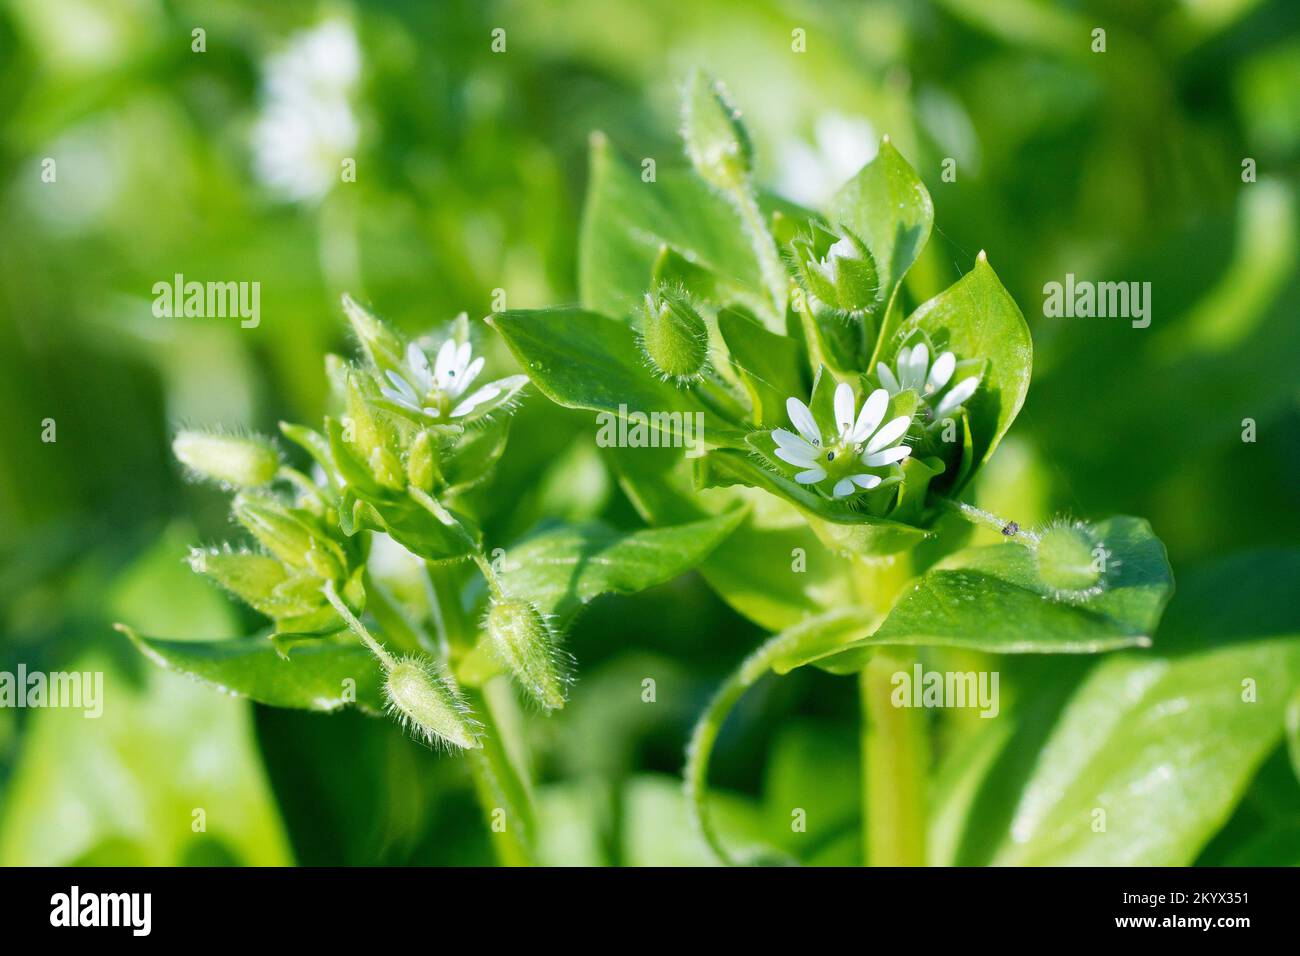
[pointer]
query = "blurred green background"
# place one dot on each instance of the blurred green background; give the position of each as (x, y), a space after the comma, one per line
(470, 171)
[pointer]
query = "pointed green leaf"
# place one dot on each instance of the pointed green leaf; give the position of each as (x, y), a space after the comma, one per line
(626, 223)
(887, 206)
(562, 569)
(584, 360)
(992, 599)
(976, 318)
(315, 676)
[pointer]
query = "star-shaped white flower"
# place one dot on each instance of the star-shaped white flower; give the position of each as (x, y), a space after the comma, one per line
(857, 442)
(916, 372)
(434, 391)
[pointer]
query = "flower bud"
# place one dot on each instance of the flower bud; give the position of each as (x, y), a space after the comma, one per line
(381, 345)
(844, 276)
(253, 578)
(421, 462)
(372, 440)
(288, 537)
(1070, 559)
(236, 460)
(716, 141)
(520, 639)
(427, 703)
(674, 336)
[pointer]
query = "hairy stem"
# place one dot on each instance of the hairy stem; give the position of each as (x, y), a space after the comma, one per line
(979, 516)
(760, 237)
(357, 627)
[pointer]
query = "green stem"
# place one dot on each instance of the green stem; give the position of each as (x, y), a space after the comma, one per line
(500, 779)
(800, 638)
(357, 627)
(760, 237)
(894, 758)
(979, 516)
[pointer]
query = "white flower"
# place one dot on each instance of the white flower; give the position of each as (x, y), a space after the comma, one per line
(916, 372)
(857, 442)
(307, 126)
(434, 391)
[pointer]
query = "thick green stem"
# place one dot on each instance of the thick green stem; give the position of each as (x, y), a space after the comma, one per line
(894, 767)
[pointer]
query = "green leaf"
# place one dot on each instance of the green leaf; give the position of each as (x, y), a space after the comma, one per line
(1293, 731)
(1166, 743)
(991, 599)
(840, 526)
(887, 206)
(312, 678)
(976, 318)
(772, 569)
(562, 569)
(1162, 746)
(771, 366)
(627, 222)
(583, 360)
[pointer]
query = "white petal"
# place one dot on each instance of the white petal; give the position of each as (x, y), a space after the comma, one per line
(445, 363)
(878, 459)
(917, 363)
(463, 355)
(865, 482)
(484, 394)
(940, 372)
(403, 386)
(419, 363)
(398, 398)
(843, 487)
(465, 377)
(843, 249)
(811, 476)
(887, 378)
(796, 457)
(803, 420)
(873, 410)
(956, 395)
(788, 439)
(844, 407)
(890, 432)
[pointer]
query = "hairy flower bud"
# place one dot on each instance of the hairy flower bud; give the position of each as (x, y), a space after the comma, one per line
(373, 441)
(288, 537)
(674, 337)
(253, 578)
(843, 275)
(427, 703)
(422, 462)
(717, 143)
(236, 460)
(521, 640)
(1071, 560)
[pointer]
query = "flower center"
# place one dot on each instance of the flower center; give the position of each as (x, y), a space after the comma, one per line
(439, 401)
(840, 459)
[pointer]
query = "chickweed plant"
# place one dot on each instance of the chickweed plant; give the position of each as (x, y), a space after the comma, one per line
(841, 435)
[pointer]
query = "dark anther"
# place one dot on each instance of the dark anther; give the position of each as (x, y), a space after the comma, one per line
(830, 456)
(1011, 528)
